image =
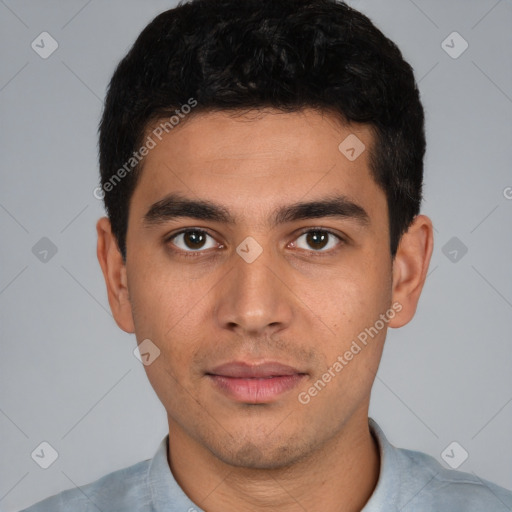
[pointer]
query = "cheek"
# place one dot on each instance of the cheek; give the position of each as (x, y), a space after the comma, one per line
(351, 299)
(352, 309)
(160, 295)
(167, 317)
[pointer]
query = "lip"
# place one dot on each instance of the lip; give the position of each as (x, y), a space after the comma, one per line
(254, 383)
(243, 370)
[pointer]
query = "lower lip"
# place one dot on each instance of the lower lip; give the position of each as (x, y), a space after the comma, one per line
(256, 390)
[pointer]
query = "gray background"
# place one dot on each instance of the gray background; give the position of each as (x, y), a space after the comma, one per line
(68, 374)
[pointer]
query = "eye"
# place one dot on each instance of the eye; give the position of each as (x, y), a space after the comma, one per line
(318, 240)
(192, 240)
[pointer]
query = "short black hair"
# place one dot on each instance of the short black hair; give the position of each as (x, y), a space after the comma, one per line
(240, 55)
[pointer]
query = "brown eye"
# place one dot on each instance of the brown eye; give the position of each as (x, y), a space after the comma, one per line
(192, 240)
(318, 239)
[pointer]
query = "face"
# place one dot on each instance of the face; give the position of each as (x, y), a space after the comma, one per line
(260, 318)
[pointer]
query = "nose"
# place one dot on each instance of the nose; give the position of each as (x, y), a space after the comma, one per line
(254, 298)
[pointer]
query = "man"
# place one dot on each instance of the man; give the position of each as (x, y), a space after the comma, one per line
(261, 166)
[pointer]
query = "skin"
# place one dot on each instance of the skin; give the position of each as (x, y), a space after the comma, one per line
(292, 305)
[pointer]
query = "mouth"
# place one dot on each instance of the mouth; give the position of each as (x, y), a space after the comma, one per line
(254, 383)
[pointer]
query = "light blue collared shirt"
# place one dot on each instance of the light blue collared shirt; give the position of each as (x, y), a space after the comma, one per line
(409, 481)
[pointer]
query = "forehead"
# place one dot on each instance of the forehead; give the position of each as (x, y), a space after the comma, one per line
(250, 160)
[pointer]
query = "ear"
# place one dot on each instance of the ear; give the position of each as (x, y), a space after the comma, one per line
(114, 272)
(410, 268)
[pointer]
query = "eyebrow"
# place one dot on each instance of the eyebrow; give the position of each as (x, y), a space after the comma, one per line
(174, 206)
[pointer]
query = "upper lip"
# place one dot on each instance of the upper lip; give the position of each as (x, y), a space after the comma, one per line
(244, 370)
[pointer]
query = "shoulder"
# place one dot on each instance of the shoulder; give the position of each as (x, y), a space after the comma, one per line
(118, 491)
(427, 485)
(413, 481)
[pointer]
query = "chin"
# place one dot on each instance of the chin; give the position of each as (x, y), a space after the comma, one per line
(254, 455)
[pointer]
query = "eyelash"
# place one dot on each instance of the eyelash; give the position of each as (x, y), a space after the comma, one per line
(198, 253)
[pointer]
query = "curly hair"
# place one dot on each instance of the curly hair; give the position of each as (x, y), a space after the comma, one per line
(252, 54)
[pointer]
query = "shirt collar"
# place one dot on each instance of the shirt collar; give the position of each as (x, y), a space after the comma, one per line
(385, 492)
(166, 494)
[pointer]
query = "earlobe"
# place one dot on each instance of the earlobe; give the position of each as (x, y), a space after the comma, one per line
(114, 273)
(410, 268)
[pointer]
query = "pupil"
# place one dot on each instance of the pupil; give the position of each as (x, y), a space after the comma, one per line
(317, 238)
(195, 237)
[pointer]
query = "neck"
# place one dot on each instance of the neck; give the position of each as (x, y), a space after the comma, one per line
(340, 476)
